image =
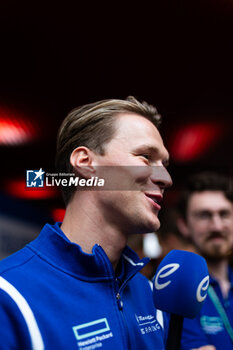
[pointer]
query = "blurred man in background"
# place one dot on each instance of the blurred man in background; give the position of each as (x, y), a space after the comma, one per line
(206, 217)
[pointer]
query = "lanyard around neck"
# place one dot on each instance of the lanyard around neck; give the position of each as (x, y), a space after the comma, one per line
(213, 296)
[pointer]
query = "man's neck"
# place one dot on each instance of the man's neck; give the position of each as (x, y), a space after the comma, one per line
(84, 225)
(219, 271)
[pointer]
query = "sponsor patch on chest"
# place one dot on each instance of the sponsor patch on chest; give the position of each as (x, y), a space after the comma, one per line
(211, 324)
(147, 323)
(91, 335)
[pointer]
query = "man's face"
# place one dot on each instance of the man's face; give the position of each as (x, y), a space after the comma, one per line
(210, 223)
(138, 155)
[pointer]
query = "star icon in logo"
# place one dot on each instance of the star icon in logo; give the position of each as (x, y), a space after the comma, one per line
(38, 174)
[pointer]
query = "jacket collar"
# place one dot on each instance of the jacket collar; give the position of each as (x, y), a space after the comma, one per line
(53, 246)
(213, 281)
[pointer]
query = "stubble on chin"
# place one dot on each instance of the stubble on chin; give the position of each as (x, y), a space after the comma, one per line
(215, 253)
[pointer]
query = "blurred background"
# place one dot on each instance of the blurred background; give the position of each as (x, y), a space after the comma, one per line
(177, 55)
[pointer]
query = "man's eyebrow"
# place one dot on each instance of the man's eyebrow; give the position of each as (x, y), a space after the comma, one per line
(197, 211)
(146, 147)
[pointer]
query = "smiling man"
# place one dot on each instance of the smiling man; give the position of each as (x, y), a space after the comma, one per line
(78, 286)
(206, 208)
(138, 156)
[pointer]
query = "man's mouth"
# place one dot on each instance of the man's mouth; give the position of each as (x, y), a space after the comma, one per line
(214, 236)
(155, 199)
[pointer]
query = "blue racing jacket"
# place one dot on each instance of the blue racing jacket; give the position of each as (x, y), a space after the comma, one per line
(55, 296)
(208, 328)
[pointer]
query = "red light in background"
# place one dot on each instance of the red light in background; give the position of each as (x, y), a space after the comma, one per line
(18, 189)
(193, 140)
(58, 214)
(15, 129)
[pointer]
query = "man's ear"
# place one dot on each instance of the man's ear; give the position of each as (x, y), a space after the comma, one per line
(82, 161)
(182, 226)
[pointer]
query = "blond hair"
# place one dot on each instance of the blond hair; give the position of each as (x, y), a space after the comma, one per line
(93, 126)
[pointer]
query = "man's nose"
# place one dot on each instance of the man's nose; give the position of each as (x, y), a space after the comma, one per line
(161, 176)
(216, 222)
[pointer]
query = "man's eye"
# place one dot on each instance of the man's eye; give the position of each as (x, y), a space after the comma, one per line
(203, 215)
(146, 156)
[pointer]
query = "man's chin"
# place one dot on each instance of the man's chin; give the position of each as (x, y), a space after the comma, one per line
(154, 226)
(215, 256)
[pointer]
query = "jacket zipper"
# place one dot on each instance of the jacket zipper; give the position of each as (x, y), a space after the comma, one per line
(120, 305)
(117, 291)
